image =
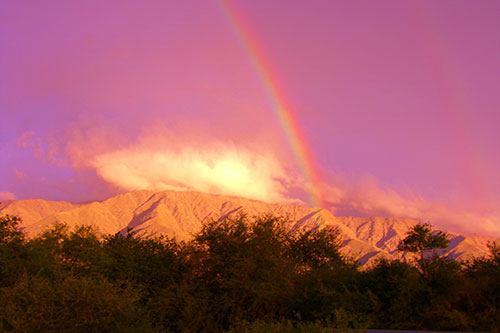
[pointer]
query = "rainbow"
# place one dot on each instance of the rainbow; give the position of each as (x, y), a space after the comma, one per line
(284, 112)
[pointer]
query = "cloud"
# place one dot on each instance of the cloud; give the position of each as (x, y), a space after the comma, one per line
(161, 159)
(109, 162)
(218, 169)
(365, 197)
(44, 149)
(7, 196)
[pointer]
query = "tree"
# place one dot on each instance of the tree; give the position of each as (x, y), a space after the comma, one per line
(9, 231)
(421, 238)
(312, 249)
(13, 252)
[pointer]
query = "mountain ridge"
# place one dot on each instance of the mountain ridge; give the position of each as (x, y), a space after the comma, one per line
(182, 214)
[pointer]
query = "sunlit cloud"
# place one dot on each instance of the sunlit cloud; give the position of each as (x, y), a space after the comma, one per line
(161, 159)
(220, 169)
(365, 197)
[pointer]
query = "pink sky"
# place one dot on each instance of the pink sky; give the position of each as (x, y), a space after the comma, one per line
(397, 100)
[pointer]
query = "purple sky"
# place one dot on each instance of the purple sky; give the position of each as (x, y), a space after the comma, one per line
(399, 102)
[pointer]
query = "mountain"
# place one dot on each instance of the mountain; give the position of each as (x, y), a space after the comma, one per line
(182, 214)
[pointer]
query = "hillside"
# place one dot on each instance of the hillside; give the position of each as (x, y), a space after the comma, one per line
(181, 214)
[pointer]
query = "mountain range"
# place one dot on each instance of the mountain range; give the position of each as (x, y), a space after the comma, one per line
(182, 214)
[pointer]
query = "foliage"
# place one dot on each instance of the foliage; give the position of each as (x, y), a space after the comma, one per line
(314, 249)
(421, 238)
(71, 304)
(12, 250)
(245, 274)
(9, 232)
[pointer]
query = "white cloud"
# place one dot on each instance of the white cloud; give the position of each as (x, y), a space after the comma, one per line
(217, 169)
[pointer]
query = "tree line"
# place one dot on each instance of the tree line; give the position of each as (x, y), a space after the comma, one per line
(241, 274)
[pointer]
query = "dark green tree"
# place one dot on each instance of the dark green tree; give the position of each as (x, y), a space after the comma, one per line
(13, 253)
(482, 290)
(316, 248)
(420, 239)
(9, 231)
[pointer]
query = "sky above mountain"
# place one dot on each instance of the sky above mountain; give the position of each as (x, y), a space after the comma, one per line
(384, 108)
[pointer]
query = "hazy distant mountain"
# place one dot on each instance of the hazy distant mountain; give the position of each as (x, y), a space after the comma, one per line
(181, 214)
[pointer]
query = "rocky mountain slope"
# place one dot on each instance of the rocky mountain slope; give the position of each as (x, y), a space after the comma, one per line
(181, 214)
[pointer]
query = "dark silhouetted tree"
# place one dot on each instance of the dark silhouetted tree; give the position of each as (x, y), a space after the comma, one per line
(421, 238)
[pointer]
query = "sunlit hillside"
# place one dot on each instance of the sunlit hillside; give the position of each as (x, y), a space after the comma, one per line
(182, 214)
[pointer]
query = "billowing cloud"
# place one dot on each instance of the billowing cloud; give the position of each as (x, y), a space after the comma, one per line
(160, 159)
(164, 160)
(365, 197)
(223, 169)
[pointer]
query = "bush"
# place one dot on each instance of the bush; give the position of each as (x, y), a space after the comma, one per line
(71, 304)
(238, 273)
(13, 253)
